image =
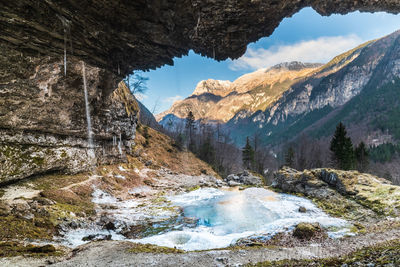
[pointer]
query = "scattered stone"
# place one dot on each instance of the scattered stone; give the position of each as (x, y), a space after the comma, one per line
(233, 183)
(223, 260)
(45, 201)
(219, 183)
(21, 207)
(302, 209)
(5, 209)
(190, 221)
(96, 237)
(110, 226)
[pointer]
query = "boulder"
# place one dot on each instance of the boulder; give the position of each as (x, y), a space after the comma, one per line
(307, 231)
(96, 237)
(248, 178)
(244, 178)
(348, 194)
(302, 209)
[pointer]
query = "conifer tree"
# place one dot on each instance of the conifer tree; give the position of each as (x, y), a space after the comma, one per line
(248, 155)
(207, 152)
(190, 129)
(362, 157)
(289, 157)
(342, 149)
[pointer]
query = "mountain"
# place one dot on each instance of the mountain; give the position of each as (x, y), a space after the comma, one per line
(216, 101)
(354, 87)
(360, 88)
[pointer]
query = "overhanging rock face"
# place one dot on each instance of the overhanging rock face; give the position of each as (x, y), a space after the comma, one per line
(43, 122)
(123, 35)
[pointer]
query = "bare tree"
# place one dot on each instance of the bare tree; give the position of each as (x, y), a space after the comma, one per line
(137, 83)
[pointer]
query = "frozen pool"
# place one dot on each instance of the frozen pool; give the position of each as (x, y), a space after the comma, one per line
(224, 216)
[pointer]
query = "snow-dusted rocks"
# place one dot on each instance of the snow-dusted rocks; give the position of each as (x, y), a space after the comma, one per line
(244, 178)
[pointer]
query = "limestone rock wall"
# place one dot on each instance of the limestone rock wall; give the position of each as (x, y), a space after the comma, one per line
(43, 124)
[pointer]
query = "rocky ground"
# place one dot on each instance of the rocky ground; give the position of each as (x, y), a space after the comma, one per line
(33, 211)
(119, 253)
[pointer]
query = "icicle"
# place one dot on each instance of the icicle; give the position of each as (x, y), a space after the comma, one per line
(197, 26)
(70, 40)
(213, 52)
(66, 24)
(119, 70)
(65, 52)
(88, 120)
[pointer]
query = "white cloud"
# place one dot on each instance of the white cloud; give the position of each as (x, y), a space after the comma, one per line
(320, 50)
(172, 99)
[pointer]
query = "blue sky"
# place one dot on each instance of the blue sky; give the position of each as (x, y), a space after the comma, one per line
(296, 38)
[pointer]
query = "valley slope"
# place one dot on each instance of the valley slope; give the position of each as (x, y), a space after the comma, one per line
(357, 87)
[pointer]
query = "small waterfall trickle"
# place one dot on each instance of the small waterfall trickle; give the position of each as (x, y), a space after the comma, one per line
(67, 30)
(114, 140)
(88, 120)
(120, 144)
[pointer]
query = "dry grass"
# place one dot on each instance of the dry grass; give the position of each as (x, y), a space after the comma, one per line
(160, 150)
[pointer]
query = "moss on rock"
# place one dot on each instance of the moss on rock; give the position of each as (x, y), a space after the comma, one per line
(148, 248)
(308, 230)
(347, 194)
(12, 249)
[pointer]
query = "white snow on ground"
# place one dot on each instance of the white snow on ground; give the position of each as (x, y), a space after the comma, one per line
(225, 216)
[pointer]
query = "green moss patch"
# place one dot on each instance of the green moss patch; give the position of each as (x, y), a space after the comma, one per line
(308, 230)
(54, 181)
(13, 227)
(148, 248)
(347, 194)
(12, 249)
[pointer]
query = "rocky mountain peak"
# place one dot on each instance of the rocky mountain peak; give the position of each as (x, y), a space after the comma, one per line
(294, 66)
(216, 87)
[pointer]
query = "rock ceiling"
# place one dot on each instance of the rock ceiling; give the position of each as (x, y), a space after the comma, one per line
(123, 35)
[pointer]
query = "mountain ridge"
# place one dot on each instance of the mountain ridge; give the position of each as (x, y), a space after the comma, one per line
(219, 101)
